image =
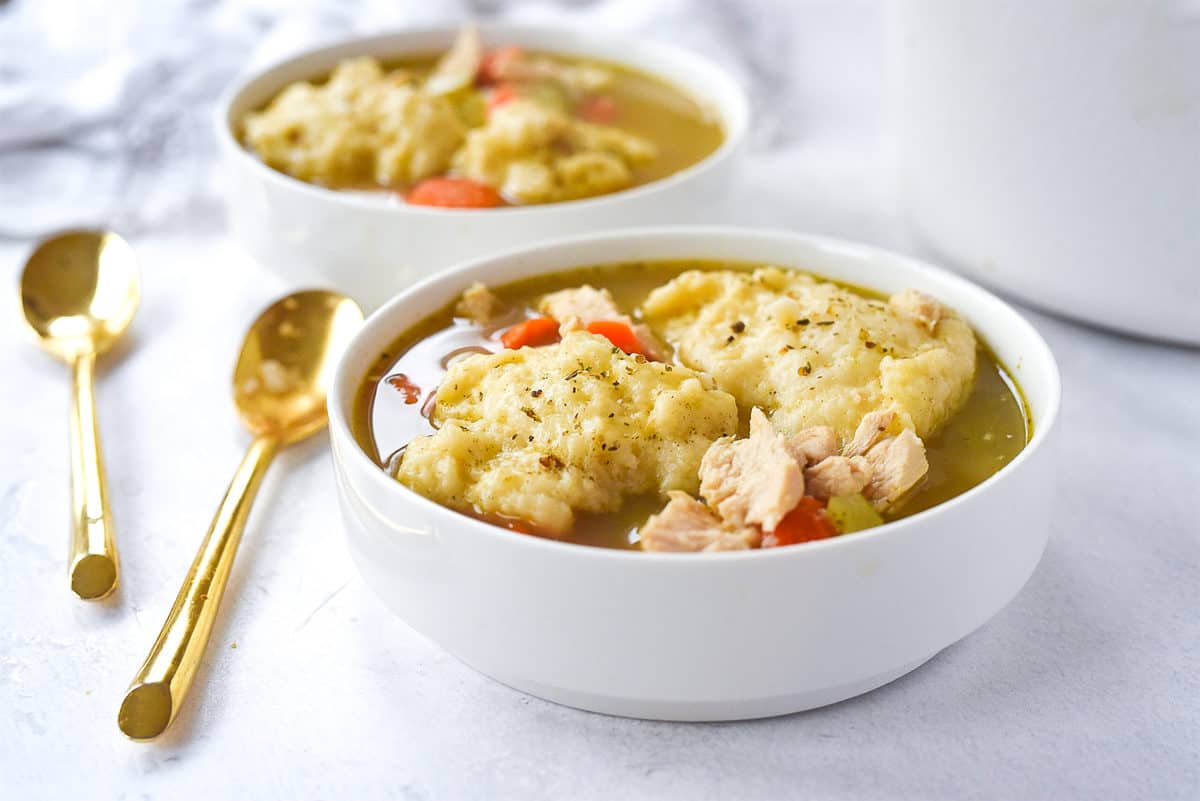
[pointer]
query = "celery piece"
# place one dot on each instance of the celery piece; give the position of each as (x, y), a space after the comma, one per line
(851, 513)
(471, 108)
(548, 93)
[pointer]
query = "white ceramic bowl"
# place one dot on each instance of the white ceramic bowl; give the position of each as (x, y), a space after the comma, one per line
(370, 247)
(702, 636)
(1053, 150)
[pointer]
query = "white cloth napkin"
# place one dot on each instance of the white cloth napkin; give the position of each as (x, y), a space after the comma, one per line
(105, 108)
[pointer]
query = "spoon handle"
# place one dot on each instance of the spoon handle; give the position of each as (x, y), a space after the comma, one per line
(93, 561)
(158, 690)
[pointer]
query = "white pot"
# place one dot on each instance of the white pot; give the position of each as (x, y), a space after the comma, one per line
(372, 247)
(702, 636)
(1053, 150)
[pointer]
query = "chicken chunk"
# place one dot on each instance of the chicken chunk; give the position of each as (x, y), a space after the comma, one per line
(685, 524)
(870, 430)
(578, 307)
(897, 464)
(574, 77)
(752, 481)
(812, 445)
(835, 476)
(478, 303)
(586, 303)
(918, 307)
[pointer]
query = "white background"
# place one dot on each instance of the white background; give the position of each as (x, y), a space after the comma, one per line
(1085, 686)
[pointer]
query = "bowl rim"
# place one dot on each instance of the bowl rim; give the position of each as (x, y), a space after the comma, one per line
(734, 114)
(340, 429)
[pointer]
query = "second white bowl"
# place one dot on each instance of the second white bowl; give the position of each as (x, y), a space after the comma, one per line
(370, 248)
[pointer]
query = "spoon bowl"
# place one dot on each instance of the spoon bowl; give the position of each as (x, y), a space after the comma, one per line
(79, 292)
(285, 368)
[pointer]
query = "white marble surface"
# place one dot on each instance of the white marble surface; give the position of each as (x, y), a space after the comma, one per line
(1084, 687)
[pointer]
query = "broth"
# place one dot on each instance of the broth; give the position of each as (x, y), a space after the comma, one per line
(990, 428)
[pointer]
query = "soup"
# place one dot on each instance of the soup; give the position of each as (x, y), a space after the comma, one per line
(472, 128)
(689, 406)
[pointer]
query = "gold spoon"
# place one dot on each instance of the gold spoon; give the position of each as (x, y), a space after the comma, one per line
(79, 291)
(279, 386)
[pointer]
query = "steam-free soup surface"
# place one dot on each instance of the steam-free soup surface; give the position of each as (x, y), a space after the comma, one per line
(986, 432)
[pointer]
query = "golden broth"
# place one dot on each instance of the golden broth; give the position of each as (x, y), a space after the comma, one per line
(991, 428)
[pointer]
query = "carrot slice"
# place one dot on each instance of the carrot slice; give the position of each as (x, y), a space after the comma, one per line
(618, 333)
(512, 524)
(458, 193)
(532, 333)
(494, 63)
(598, 108)
(504, 93)
(805, 523)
